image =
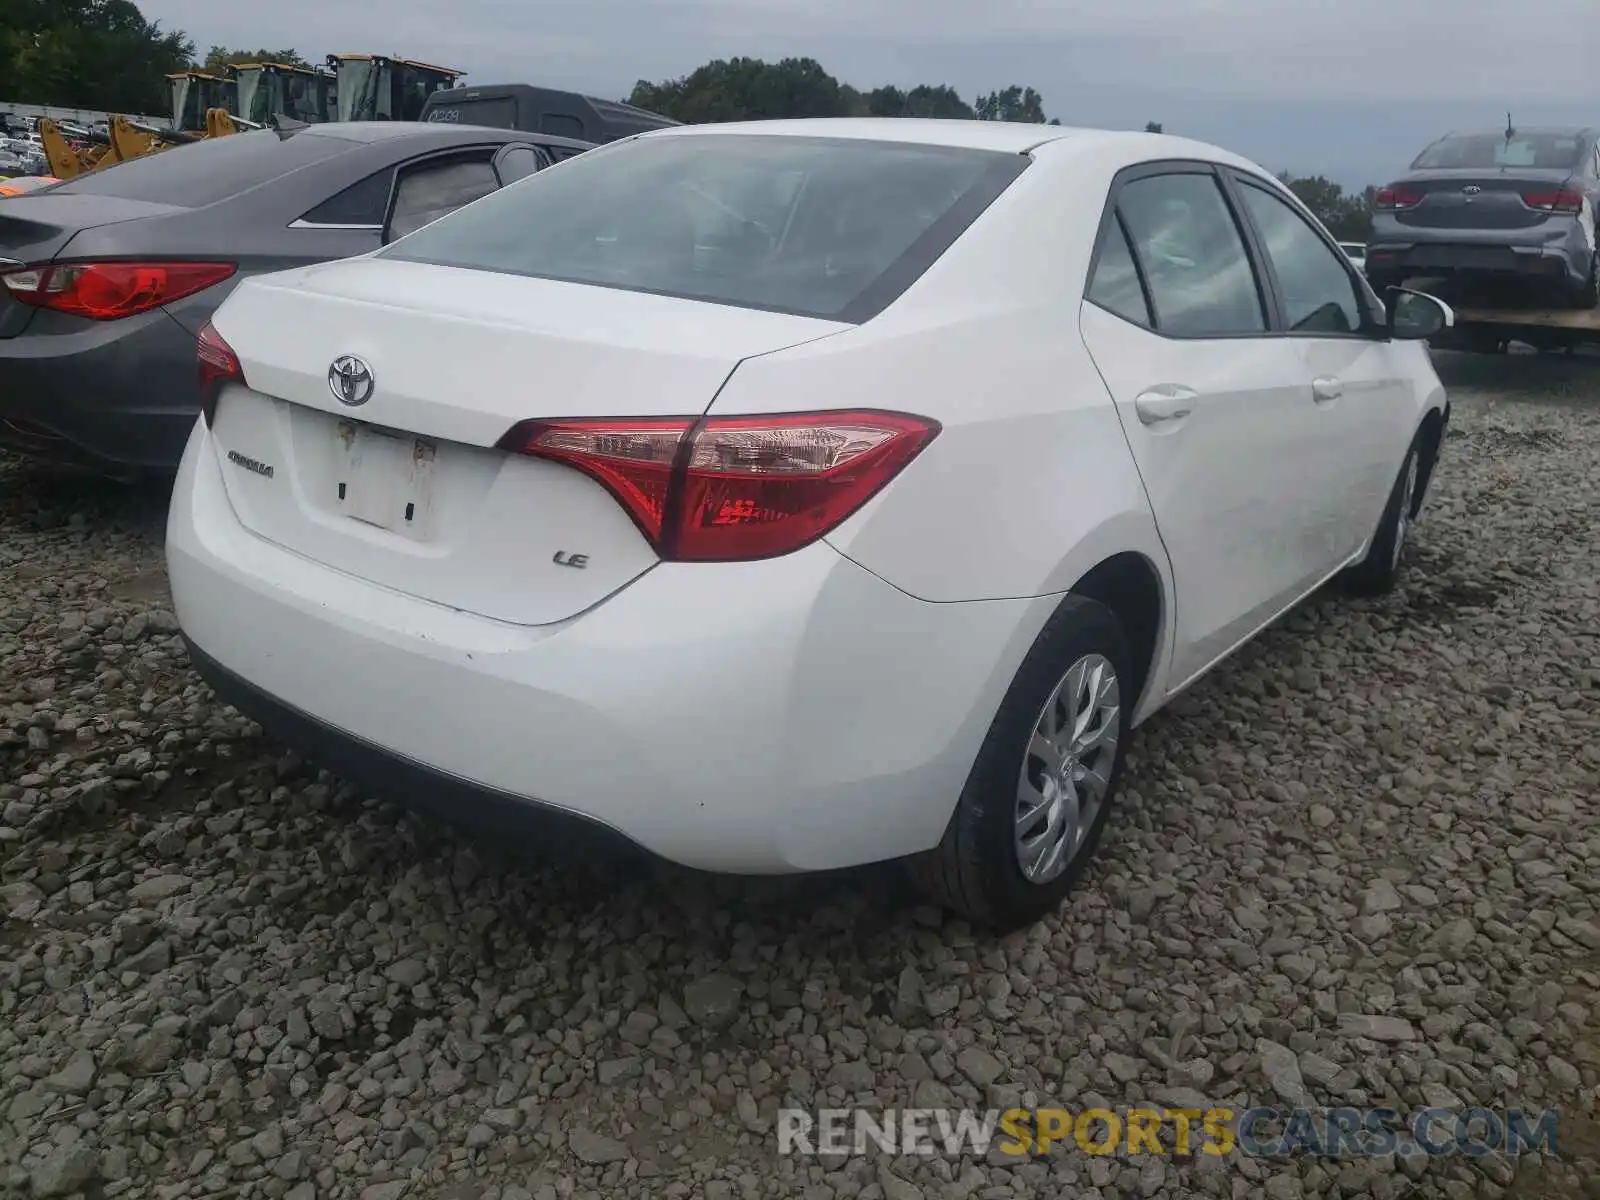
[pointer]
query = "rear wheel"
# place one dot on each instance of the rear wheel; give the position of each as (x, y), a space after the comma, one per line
(1039, 794)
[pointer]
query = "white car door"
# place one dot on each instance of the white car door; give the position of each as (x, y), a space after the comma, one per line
(1215, 406)
(1361, 385)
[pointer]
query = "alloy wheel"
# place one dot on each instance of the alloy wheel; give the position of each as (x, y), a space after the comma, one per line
(1066, 769)
(1408, 493)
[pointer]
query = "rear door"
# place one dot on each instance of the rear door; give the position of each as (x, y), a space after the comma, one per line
(1215, 406)
(1361, 388)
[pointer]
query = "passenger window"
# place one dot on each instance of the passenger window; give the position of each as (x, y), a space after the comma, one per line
(1319, 296)
(1115, 285)
(1201, 281)
(431, 190)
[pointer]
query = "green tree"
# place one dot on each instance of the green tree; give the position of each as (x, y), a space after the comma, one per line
(1015, 103)
(1348, 217)
(100, 54)
(1152, 126)
(921, 101)
(219, 58)
(750, 89)
(747, 89)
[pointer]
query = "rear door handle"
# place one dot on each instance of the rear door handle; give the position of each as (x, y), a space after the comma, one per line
(1326, 388)
(1168, 402)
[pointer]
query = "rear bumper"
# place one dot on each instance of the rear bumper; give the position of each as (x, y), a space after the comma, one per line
(787, 715)
(115, 394)
(1555, 254)
(397, 776)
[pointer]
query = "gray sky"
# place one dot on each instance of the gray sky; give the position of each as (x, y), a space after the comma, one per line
(1352, 88)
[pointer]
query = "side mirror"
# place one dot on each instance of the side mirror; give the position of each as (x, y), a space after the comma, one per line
(1416, 316)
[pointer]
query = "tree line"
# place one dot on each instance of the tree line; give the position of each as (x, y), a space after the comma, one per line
(750, 89)
(104, 54)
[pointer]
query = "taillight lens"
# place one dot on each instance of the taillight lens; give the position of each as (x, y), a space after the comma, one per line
(111, 290)
(718, 489)
(218, 365)
(1396, 196)
(1558, 200)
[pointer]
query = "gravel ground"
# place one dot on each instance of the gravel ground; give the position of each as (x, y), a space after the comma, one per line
(1360, 864)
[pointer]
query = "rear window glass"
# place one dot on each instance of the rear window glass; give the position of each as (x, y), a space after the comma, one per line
(822, 227)
(206, 172)
(1541, 151)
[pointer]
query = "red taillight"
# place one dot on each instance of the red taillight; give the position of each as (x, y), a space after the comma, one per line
(1558, 200)
(718, 489)
(218, 365)
(110, 290)
(1396, 196)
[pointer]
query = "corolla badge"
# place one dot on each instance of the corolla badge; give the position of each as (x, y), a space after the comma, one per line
(1471, 190)
(350, 380)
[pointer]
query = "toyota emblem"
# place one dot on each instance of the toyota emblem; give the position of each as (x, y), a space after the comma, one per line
(350, 380)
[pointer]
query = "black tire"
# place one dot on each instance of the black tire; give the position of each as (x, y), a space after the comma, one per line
(975, 870)
(1379, 571)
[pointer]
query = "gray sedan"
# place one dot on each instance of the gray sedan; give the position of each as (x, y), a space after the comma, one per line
(1506, 216)
(106, 279)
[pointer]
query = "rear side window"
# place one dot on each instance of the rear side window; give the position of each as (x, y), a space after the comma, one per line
(361, 203)
(1115, 285)
(206, 172)
(822, 227)
(1193, 255)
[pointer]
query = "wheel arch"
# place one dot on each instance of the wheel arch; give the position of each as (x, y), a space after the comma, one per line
(1131, 586)
(1430, 442)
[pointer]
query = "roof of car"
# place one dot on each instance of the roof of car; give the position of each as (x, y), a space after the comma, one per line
(1535, 130)
(382, 131)
(978, 135)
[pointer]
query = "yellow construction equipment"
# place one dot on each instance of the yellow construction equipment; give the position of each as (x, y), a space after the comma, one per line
(265, 91)
(123, 139)
(377, 87)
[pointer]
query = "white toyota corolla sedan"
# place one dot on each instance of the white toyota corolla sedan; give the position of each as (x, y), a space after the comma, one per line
(794, 495)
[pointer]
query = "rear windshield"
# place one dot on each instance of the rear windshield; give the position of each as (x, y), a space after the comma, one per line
(821, 227)
(1541, 151)
(206, 172)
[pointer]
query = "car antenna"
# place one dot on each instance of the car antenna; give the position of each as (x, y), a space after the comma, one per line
(287, 127)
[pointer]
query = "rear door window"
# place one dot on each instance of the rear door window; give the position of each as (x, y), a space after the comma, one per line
(207, 172)
(1194, 259)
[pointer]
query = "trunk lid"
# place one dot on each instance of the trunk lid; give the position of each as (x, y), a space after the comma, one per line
(407, 490)
(1449, 200)
(36, 229)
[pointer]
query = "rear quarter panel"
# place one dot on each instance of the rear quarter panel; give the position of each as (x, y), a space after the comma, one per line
(1030, 482)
